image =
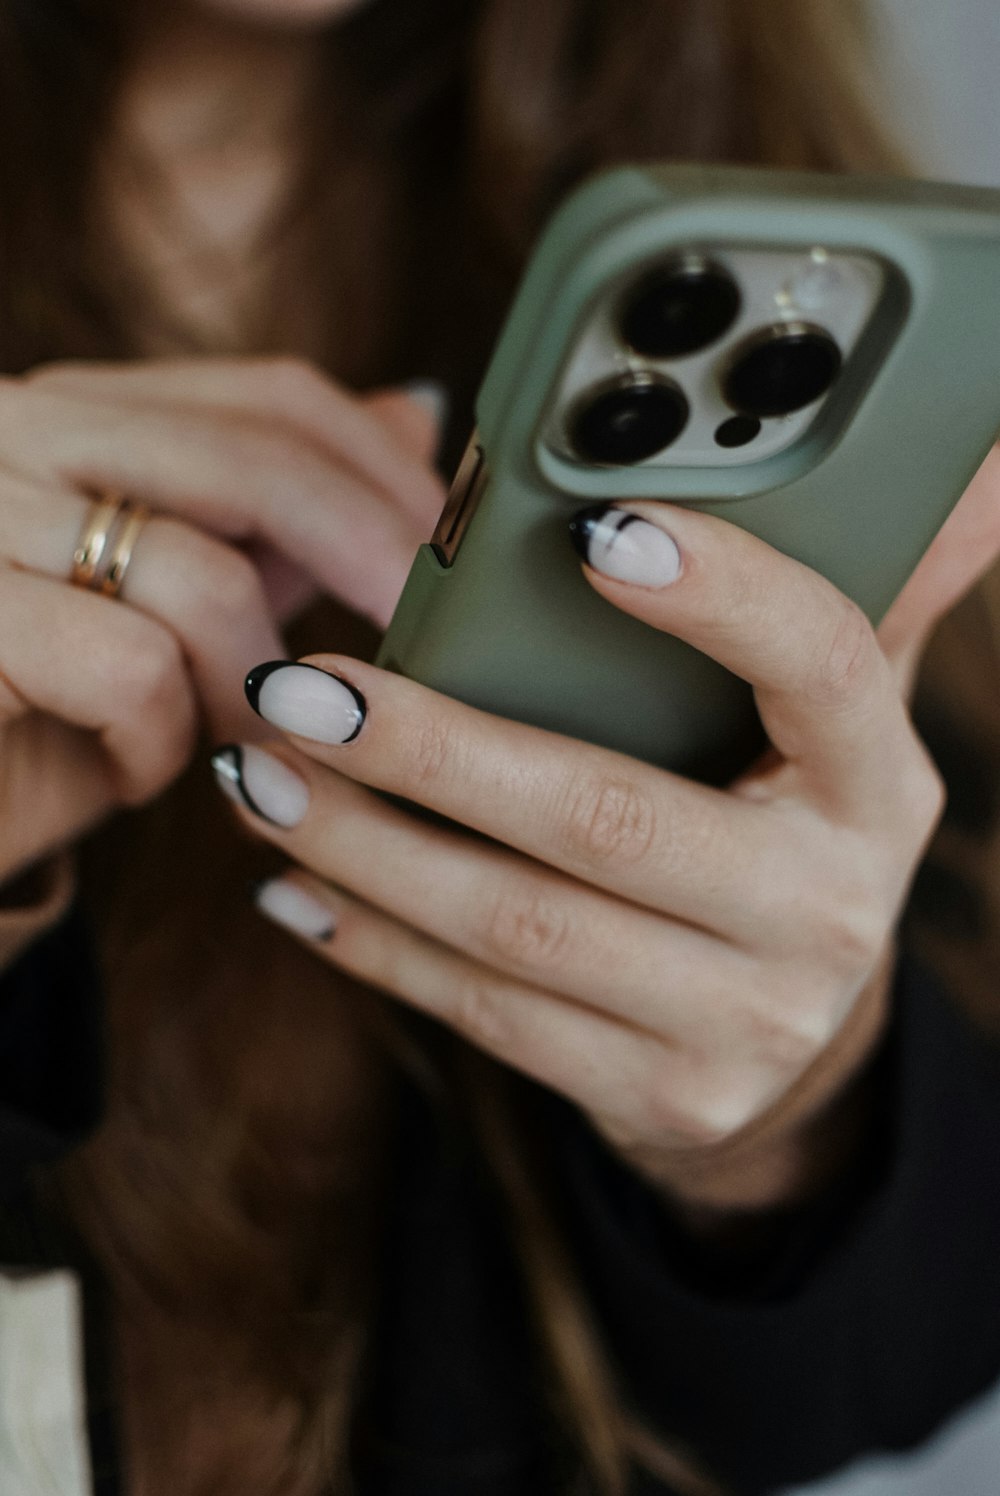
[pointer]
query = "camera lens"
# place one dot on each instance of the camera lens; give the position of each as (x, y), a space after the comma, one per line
(738, 431)
(629, 421)
(680, 309)
(781, 370)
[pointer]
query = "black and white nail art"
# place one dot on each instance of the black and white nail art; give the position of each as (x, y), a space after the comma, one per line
(307, 701)
(261, 782)
(625, 546)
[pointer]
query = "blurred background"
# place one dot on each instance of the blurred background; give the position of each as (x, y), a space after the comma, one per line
(940, 61)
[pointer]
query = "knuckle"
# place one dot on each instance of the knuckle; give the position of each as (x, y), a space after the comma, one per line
(432, 750)
(697, 1121)
(212, 583)
(608, 823)
(846, 660)
(481, 1014)
(923, 789)
(527, 929)
(789, 1024)
(851, 932)
(731, 1104)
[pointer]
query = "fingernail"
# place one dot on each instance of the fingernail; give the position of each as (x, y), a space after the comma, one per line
(432, 395)
(306, 700)
(623, 546)
(291, 907)
(262, 783)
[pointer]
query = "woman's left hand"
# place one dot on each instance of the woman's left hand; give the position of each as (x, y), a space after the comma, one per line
(671, 957)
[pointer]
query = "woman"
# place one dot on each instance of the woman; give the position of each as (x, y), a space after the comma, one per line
(327, 1246)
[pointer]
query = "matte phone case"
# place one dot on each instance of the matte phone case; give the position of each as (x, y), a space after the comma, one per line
(511, 625)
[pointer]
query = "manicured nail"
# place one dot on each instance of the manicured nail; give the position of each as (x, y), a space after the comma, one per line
(294, 909)
(623, 546)
(432, 395)
(262, 783)
(306, 700)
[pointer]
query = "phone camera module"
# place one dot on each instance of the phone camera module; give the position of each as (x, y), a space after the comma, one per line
(781, 370)
(680, 309)
(626, 422)
(738, 431)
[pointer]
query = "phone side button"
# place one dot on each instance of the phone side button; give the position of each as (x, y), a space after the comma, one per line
(460, 506)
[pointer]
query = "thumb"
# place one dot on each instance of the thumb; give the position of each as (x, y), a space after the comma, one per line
(416, 413)
(965, 547)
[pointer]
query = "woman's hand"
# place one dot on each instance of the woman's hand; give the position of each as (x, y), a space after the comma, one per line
(267, 482)
(674, 958)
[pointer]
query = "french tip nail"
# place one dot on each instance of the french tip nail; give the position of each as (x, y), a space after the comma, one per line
(298, 710)
(581, 527)
(257, 676)
(228, 760)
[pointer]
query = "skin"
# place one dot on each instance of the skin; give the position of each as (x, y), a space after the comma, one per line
(266, 480)
(742, 927)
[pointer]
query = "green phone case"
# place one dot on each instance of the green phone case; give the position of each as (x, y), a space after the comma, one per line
(511, 626)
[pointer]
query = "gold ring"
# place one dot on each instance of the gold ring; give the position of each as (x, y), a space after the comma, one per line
(106, 543)
(136, 515)
(94, 538)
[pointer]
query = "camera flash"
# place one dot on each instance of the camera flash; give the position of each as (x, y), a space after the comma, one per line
(813, 285)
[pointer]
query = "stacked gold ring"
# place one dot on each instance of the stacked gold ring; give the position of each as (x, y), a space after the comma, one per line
(106, 543)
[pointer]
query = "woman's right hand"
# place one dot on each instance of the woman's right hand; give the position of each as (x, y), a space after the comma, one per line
(267, 482)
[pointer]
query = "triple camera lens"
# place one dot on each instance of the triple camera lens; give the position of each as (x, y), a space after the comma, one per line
(781, 370)
(630, 420)
(680, 309)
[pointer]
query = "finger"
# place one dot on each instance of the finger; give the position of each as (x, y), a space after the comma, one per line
(824, 690)
(283, 390)
(416, 414)
(288, 587)
(963, 549)
(56, 784)
(641, 833)
(205, 592)
(509, 913)
(603, 1066)
(238, 480)
(108, 669)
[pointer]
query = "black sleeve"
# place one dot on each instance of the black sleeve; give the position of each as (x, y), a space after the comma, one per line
(877, 1314)
(50, 1049)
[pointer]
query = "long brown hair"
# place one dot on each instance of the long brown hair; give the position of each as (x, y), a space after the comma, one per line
(232, 1203)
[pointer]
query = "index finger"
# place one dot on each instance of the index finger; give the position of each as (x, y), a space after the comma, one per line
(629, 828)
(238, 478)
(824, 689)
(272, 389)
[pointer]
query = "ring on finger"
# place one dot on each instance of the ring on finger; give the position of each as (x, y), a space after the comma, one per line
(107, 542)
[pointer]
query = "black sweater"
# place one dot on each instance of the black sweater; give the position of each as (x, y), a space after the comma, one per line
(875, 1316)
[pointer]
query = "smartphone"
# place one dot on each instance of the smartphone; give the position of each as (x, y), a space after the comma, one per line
(813, 357)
